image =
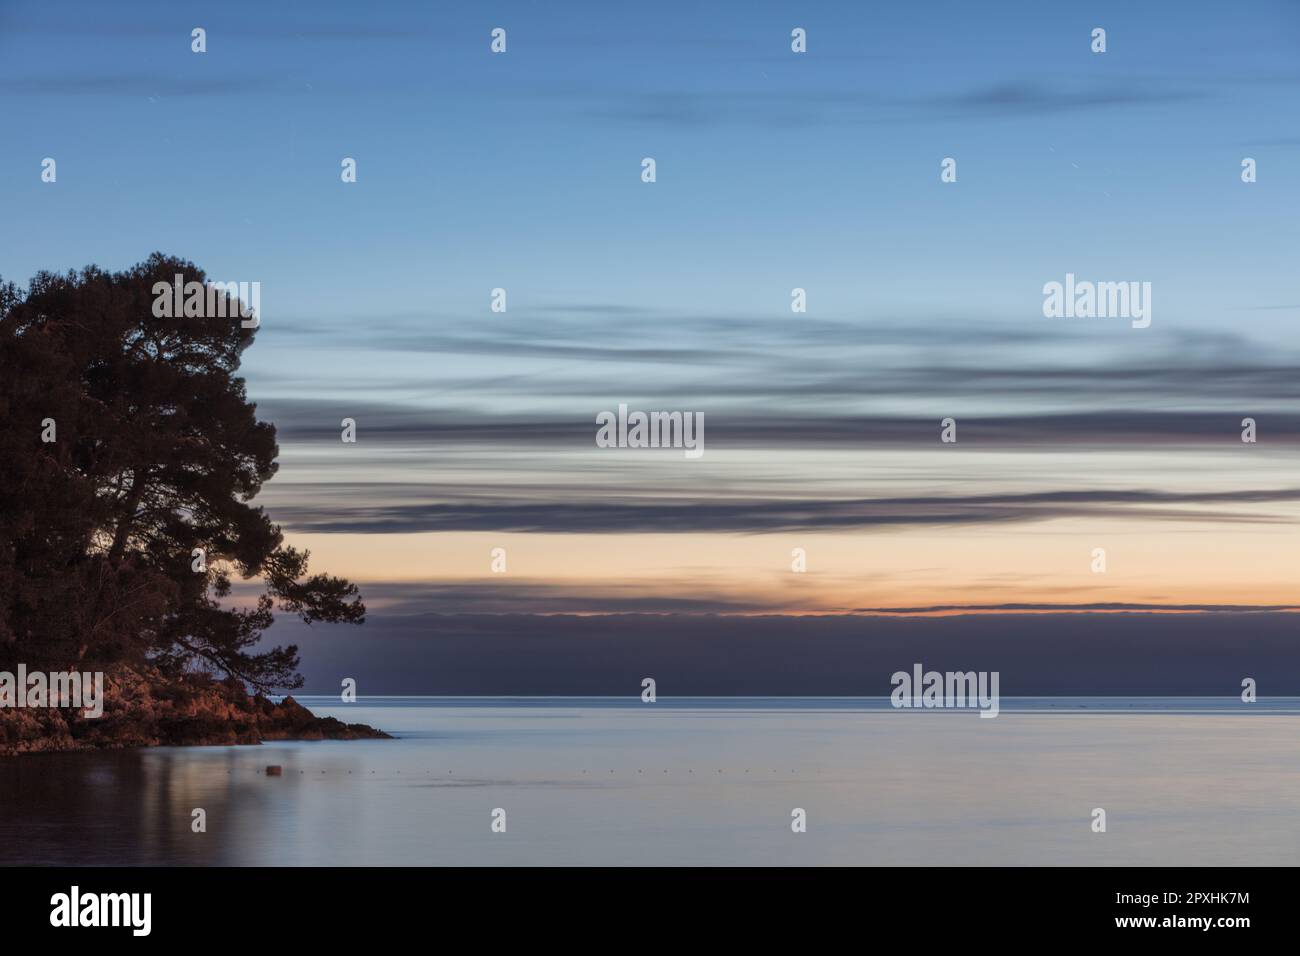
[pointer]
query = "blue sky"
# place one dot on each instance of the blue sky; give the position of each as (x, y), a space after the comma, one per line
(775, 171)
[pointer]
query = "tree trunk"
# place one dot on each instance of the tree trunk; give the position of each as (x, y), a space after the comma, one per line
(128, 518)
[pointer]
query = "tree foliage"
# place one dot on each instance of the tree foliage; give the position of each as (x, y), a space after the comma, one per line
(157, 454)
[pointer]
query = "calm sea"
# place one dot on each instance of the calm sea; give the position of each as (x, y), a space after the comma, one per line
(1196, 781)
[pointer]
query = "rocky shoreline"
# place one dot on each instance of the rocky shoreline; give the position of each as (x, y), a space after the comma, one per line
(144, 709)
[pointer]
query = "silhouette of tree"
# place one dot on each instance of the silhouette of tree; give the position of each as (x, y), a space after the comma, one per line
(127, 448)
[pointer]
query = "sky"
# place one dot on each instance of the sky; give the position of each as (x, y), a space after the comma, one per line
(775, 170)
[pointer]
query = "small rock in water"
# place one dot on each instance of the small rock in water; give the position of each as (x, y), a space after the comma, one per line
(274, 770)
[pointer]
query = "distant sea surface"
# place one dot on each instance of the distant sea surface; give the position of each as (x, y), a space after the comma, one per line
(693, 781)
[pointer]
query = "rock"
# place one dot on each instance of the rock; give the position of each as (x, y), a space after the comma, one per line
(144, 709)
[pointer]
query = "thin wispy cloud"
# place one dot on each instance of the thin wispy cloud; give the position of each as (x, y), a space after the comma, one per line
(353, 509)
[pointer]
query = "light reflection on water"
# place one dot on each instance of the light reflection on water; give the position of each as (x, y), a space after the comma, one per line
(604, 781)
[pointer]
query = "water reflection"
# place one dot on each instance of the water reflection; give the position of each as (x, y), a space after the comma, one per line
(588, 782)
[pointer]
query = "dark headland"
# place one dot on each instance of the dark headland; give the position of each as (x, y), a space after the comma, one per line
(146, 709)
